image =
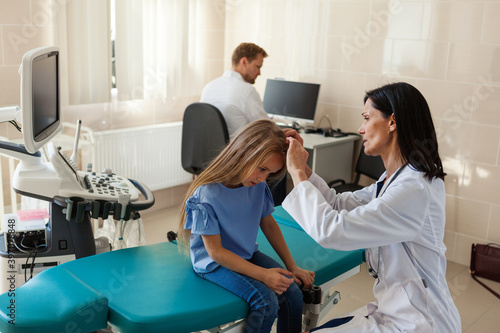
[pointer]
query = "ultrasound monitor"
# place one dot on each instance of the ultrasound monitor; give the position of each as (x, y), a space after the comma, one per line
(40, 106)
(291, 101)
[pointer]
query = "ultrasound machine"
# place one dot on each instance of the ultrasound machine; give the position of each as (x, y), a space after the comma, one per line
(74, 196)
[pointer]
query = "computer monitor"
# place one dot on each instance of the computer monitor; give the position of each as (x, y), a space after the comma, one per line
(40, 106)
(291, 101)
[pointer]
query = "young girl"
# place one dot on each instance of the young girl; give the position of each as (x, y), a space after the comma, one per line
(220, 219)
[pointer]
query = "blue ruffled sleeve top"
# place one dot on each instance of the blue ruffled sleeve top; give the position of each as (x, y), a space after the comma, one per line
(234, 213)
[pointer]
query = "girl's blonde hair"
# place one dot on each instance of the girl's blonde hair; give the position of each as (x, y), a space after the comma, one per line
(251, 147)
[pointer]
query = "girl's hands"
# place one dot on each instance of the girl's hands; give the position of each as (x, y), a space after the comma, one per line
(303, 277)
(278, 280)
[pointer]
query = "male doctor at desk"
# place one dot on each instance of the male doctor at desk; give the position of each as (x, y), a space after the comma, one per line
(399, 220)
(233, 93)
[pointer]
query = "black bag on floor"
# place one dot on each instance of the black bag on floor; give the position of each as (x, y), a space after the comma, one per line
(485, 263)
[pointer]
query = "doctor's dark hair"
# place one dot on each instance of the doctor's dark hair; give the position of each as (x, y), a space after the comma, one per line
(247, 50)
(251, 147)
(417, 137)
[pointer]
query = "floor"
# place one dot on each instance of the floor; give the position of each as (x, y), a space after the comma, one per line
(479, 309)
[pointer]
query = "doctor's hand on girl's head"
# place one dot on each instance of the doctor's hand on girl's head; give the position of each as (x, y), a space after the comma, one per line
(291, 133)
(296, 160)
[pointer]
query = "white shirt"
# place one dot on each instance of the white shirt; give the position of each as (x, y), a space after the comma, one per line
(406, 223)
(237, 100)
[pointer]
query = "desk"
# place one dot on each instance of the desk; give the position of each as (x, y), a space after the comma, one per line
(330, 158)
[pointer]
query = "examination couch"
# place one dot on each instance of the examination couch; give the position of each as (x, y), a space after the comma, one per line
(151, 289)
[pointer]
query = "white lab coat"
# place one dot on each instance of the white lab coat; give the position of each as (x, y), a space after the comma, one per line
(406, 222)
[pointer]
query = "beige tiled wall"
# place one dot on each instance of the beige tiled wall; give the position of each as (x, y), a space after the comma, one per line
(27, 24)
(24, 25)
(450, 50)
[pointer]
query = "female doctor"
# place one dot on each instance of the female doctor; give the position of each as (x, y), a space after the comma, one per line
(399, 220)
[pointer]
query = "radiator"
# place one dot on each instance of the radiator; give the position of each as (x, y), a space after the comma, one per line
(150, 154)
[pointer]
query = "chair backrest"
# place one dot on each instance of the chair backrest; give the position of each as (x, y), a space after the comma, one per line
(371, 166)
(204, 135)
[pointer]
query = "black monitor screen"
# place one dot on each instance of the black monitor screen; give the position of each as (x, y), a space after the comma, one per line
(291, 99)
(45, 94)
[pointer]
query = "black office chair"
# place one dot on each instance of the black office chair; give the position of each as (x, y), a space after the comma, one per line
(371, 166)
(204, 135)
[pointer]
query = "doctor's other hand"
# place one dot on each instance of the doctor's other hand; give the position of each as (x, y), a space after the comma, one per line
(296, 161)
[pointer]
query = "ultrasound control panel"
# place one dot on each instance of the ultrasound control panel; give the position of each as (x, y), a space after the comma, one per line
(109, 184)
(89, 185)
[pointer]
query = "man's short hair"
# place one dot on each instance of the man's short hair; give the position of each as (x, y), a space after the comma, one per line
(247, 50)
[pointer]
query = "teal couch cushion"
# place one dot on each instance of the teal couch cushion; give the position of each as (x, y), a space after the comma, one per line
(54, 301)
